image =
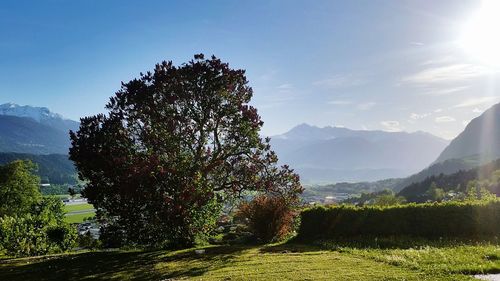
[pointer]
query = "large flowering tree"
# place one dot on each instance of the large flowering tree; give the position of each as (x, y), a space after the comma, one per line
(176, 144)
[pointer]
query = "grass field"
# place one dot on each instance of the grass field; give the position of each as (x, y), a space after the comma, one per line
(281, 262)
(78, 207)
(76, 213)
(78, 218)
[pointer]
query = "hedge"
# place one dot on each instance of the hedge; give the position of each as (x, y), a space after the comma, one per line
(429, 220)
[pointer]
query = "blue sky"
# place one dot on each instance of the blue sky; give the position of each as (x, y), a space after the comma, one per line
(372, 64)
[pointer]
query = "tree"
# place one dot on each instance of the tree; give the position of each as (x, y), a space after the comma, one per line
(388, 200)
(72, 192)
(434, 193)
(19, 188)
(269, 218)
(39, 232)
(476, 190)
(177, 142)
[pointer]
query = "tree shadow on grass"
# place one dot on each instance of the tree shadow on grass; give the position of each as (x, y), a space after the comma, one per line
(214, 258)
(91, 265)
(118, 265)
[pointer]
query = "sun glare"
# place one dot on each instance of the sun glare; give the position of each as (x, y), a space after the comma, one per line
(481, 35)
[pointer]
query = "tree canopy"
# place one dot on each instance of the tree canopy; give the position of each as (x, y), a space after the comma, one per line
(19, 188)
(176, 143)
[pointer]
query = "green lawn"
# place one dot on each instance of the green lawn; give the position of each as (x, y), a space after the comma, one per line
(282, 262)
(78, 218)
(76, 213)
(78, 207)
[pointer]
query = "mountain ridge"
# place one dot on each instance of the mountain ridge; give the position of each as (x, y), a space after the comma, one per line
(334, 154)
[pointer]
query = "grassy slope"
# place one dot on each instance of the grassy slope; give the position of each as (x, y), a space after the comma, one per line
(284, 262)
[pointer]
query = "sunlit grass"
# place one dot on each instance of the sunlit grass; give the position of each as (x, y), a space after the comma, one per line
(78, 218)
(78, 207)
(282, 262)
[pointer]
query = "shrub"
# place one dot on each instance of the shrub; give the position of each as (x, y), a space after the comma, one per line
(269, 218)
(40, 232)
(430, 220)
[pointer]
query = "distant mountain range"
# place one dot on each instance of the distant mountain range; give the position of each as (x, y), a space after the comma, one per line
(34, 130)
(333, 154)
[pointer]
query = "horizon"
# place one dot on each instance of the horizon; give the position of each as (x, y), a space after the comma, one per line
(364, 66)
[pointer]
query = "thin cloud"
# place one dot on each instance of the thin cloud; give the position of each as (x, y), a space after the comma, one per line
(444, 91)
(366, 105)
(446, 74)
(285, 87)
(417, 44)
(444, 119)
(416, 116)
(338, 81)
(340, 102)
(476, 102)
(391, 126)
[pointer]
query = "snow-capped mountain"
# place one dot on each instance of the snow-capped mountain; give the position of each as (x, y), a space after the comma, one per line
(40, 114)
(35, 130)
(37, 113)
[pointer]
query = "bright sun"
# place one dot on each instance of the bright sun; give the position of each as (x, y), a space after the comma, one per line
(481, 35)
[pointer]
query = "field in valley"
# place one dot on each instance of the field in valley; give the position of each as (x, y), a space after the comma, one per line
(76, 213)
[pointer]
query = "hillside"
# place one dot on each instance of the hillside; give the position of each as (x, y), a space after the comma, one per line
(52, 168)
(458, 180)
(332, 154)
(480, 139)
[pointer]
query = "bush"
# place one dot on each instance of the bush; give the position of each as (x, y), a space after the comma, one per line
(40, 232)
(430, 220)
(269, 218)
(86, 241)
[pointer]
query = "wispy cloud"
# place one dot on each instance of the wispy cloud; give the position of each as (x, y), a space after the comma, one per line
(445, 74)
(338, 81)
(340, 102)
(476, 102)
(416, 116)
(285, 86)
(444, 119)
(443, 91)
(414, 43)
(359, 106)
(391, 126)
(366, 105)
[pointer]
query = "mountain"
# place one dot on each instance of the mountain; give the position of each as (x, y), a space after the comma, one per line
(33, 130)
(333, 154)
(40, 114)
(480, 140)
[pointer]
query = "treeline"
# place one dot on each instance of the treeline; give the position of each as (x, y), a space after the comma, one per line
(52, 168)
(416, 192)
